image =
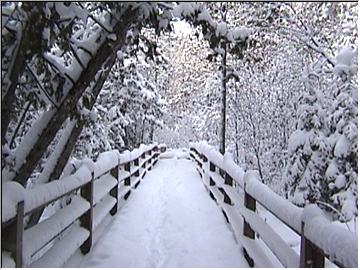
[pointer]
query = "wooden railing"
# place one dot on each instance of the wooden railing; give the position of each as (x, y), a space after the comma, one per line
(238, 193)
(95, 189)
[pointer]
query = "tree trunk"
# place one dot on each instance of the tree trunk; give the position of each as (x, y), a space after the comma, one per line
(223, 103)
(22, 117)
(46, 136)
(75, 133)
(259, 166)
(223, 100)
(236, 139)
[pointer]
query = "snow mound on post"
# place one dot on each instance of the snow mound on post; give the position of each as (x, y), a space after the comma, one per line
(12, 194)
(233, 169)
(106, 161)
(45, 193)
(128, 156)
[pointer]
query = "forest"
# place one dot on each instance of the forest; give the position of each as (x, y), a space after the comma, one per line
(272, 83)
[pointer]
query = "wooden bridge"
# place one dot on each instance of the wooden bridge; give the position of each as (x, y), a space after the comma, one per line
(97, 191)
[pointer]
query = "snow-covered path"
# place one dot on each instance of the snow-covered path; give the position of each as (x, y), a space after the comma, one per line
(169, 221)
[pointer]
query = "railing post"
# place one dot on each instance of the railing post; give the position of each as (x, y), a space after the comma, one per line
(156, 158)
(162, 149)
(19, 234)
(310, 255)
(136, 163)
(127, 181)
(228, 179)
(227, 199)
(150, 153)
(86, 220)
(114, 192)
(212, 167)
(249, 203)
(12, 236)
(143, 156)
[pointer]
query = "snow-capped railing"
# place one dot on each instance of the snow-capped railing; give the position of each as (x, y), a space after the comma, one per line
(95, 189)
(319, 238)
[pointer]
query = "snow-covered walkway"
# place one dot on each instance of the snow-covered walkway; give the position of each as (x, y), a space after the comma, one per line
(169, 221)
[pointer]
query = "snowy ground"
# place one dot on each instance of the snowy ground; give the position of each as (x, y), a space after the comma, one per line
(169, 221)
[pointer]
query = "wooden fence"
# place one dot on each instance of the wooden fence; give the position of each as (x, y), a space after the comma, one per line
(94, 189)
(319, 238)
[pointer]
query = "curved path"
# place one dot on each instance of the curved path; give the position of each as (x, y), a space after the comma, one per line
(168, 221)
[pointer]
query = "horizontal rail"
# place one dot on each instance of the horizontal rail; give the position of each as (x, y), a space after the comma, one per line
(94, 186)
(319, 238)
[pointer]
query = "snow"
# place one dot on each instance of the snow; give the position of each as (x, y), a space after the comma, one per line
(317, 228)
(26, 144)
(240, 33)
(106, 161)
(7, 260)
(163, 225)
(127, 156)
(102, 186)
(63, 248)
(344, 60)
(48, 192)
(205, 16)
(339, 244)
(175, 153)
(297, 139)
(220, 51)
(157, 227)
(332, 171)
(112, 37)
(281, 207)
(340, 181)
(233, 169)
(342, 147)
(120, 55)
(163, 23)
(102, 209)
(51, 162)
(287, 256)
(12, 193)
(39, 235)
(221, 29)
(183, 9)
